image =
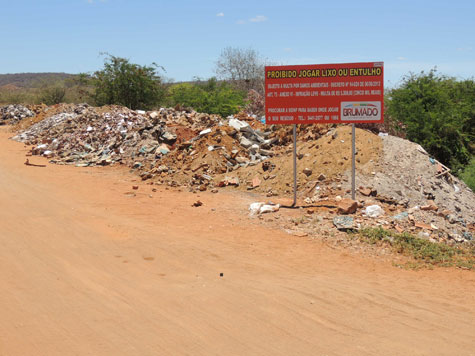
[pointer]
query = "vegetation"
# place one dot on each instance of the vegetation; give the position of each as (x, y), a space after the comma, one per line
(123, 83)
(32, 80)
(243, 68)
(433, 110)
(48, 88)
(468, 174)
(53, 95)
(212, 97)
(437, 112)
(424, 252)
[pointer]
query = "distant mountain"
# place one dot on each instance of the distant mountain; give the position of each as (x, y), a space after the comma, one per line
(32, 80)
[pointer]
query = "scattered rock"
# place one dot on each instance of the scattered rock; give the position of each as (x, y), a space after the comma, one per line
(343, 223)
(368, 191)
(421, 225)
(374, 211)
(307, 172)
(431, 207)
(347, 206)
(11, 114)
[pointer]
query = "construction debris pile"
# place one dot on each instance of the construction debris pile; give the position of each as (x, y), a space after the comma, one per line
(154, 143)
(11, 114)
(400, 186)
(404, 189)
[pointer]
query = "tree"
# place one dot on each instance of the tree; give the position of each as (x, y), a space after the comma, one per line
(123, 83)
(438, 113)
(53, 95)
(210, 97)
(241, 67)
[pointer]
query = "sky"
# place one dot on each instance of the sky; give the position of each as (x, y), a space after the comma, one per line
(186, 37)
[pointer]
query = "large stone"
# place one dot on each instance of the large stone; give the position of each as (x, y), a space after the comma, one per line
(347, 206)
(238, 125)
(245, 142)
(343, 222)
(168, 137)
(365, 191)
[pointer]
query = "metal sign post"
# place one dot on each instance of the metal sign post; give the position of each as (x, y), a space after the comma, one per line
(338, 93)
(295, 166)
(353, 163)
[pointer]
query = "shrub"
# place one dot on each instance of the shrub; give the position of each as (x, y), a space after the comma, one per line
(210, 97)
(123, 83)
(468, 175)
(421, 250)
(438, 112)
(53, 95)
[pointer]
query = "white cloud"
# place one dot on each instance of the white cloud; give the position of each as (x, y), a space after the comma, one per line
(258, 18)
(464, 49)
(220, 14)
(401, 58)
(240, 22)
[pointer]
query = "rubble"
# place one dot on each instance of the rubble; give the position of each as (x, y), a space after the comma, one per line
(374, 211)
(344, 222)
(347, 206)
(207, 152)
(12, 114)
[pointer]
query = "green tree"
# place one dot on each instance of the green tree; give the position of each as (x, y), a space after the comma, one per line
(53, 95)
(123, 83)
(438, 113)
(210, 96)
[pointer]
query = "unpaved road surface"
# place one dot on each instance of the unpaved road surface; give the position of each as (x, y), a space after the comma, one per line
(89, 268)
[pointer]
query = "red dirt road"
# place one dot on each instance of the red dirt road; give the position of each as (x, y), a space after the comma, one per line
(86, 268)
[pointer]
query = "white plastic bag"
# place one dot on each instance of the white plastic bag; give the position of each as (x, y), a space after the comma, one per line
(374, 211)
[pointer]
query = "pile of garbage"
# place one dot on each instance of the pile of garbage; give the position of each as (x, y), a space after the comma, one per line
(403, 189)
(162, 142)
(400, 186)
(86, 136)
(11, 114)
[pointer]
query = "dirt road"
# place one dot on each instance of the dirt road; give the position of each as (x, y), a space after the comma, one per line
(89, 268)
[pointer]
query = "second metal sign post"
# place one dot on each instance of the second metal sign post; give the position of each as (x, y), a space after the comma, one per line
(324, 93)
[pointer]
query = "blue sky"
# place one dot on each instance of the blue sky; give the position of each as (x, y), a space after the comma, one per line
(187, 36)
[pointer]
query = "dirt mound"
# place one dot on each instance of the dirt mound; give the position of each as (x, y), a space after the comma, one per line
(412, 191)
(319, 162)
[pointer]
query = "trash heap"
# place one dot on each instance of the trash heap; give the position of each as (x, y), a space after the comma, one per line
(399, 186)
(11, 114)
(85, 136)
(166, 143)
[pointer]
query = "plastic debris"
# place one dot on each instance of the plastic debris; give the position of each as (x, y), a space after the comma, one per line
(261, 208)
(374, 211)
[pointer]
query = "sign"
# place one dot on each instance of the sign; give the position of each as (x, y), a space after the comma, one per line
(325, 93)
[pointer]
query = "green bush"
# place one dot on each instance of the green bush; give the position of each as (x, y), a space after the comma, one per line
(123, 83)
(210, 97)
(468, 174)
(439, 113)
(53, 95)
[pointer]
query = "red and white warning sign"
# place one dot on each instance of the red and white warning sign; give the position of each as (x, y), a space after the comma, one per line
(325, 93)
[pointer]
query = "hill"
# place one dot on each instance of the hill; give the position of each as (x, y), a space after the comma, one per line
(31, 80)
